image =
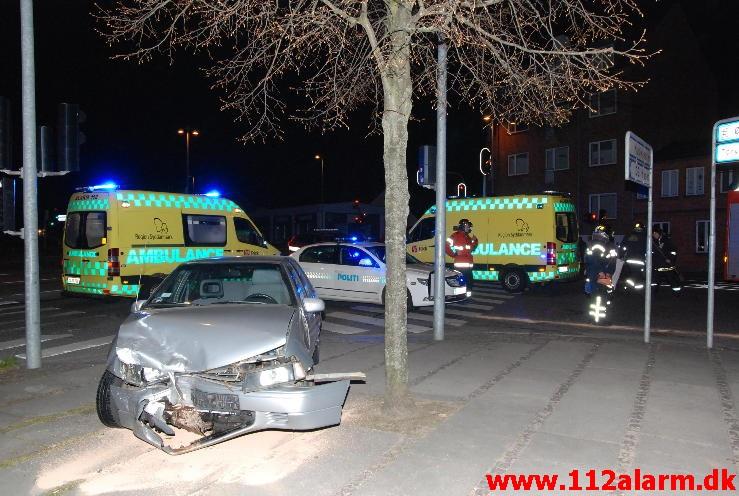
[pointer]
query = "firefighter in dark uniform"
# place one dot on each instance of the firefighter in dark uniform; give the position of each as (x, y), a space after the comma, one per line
(664, 260)
(460, 246)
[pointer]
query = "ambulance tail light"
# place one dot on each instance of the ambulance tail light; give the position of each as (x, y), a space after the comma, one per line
(114, 264)
(551, 253)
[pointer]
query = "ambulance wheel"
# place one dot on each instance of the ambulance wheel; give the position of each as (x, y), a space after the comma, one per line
(514, 281)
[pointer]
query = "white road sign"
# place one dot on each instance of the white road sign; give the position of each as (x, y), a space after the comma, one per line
(728, 131)
(638, 159)
(727, 152)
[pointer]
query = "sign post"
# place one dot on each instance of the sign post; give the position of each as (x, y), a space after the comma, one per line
(640, 169)
(724, 150)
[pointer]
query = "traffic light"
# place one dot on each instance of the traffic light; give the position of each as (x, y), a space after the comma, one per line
(43, 149)
(69, 137)
(6, 155)
(7, 204)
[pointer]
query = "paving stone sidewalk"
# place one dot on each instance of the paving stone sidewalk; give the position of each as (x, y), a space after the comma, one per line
(490, 401)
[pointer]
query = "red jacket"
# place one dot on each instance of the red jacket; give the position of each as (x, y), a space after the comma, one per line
(460, 246)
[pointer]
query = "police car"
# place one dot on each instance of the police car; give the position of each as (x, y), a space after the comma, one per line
(356, 272)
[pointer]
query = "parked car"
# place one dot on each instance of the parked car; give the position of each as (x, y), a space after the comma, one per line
(356, 272)
(223, 347)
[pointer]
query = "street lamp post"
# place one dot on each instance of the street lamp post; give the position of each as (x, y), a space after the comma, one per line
(482, 171)
(319, 157)
(189, 181)
(488, 119)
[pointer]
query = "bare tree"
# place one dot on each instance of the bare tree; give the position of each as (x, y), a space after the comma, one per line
(523, 60)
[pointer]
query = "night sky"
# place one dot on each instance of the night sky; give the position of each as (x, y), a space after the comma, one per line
(133, 113)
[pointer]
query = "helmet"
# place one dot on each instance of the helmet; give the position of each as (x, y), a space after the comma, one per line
(601, 233)
(464, 222)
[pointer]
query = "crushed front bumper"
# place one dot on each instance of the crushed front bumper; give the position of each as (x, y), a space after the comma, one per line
(284, 407)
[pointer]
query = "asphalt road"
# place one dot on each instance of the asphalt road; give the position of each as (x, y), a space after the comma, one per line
(70, 324)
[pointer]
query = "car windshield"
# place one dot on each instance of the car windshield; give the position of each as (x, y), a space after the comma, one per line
(223, 283)
(379, 252)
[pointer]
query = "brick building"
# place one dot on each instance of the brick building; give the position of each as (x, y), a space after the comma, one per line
(674, 112)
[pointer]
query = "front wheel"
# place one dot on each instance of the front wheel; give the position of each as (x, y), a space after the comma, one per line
(103, 401)
(514, 281)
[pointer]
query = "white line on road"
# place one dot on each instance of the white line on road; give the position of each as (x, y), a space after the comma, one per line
(47, 291)
(63, 314)
(22, 281)
(371, 320)
(46, 309)
(17, 343)
(475, 307)
(411, 315)
(485, 299)
(72, 347)
(341, 329)
(457, 311)
(9, 303)
(496, 294)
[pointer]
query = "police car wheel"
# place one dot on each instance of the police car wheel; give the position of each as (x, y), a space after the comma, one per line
(514, 281)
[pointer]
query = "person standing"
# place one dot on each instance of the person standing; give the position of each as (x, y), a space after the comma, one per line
(460, 246)
(664, 260)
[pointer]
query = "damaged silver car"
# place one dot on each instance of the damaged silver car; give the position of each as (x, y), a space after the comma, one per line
(222, 347)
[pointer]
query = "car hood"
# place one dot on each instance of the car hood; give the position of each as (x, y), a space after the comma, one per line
(423, 270)
(194, 339)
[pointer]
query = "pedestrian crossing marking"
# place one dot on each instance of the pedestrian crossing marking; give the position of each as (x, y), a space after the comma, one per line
(370, 320)
(411, 315)
(341, 328)
(475, 306)
(483, 299)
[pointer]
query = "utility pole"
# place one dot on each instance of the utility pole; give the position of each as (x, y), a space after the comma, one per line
(440, 233)
(30, 194)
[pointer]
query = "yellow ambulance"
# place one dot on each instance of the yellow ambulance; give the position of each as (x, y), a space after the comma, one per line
(118, 241)
(522, 239)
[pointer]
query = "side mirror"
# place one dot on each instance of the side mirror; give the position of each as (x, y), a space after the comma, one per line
(314, 305)
(136, 305)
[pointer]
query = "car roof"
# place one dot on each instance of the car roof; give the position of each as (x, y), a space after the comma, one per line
(273, 259)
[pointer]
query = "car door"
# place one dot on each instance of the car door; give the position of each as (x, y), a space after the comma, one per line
(358, 276)
(421, 240)
(304, 289)
(319, 263)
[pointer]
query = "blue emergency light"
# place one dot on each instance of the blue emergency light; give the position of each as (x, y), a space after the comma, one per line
(213, 193)
(106, 186)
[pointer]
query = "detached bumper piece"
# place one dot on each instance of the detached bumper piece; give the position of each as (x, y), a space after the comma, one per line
(221, 411)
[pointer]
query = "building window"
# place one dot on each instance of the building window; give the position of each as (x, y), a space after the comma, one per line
(602, 152)
(518, 164)
(694, 181)
(726, 178)
(603, 103)
(604, 201)
(669, 183)
(516, 127)
(702, 231)
(665, 226)
(557, 158)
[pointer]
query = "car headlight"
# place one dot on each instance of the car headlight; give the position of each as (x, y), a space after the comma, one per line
(137, 375)
(455, 281)
(423, 281)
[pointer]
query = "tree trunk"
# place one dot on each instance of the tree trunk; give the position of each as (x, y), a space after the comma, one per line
(398, 91)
